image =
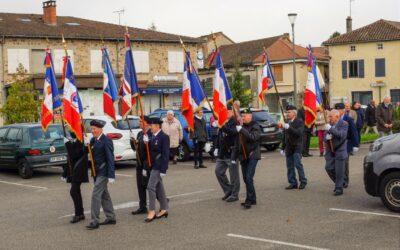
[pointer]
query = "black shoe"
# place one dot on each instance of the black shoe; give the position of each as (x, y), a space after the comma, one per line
(108, 222)
(338, 192)
(231, 199)
(196, 167)
(76, 219)
(226, 197)
(140, 210)
(346, 185)
(202, 166)
(291, 187)
(246, 205)
(305, 155)
(148, 220)
(248, 202)
(174, 162)
(92, 226)
(161, 216)
(302, 185)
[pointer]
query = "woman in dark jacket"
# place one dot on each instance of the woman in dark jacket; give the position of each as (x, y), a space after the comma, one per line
(199, 137)
(76, 172)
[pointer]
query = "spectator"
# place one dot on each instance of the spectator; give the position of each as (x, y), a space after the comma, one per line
(320, 125)
(360, 118)
(385, 115)
(370, 117)
(350, 112)
(199, 137)
(173, 128)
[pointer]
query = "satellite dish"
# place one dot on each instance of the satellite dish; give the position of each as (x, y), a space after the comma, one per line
(200, 59)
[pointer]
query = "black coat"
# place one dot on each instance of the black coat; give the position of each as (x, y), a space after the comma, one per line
(141, 151)
(159, 152)
(78, 160)
(292, 141)
(227, 137)
(250, 136)
(370, 115)
(200, 131)
(301, 114)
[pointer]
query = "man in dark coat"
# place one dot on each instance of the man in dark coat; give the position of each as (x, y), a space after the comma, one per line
(103, 158)
(307, 132)
(76, 173)
(370, 117)
(335, 158)
(249, 154)
(199, 137)
(292, 144)
(139, 146)
(385, 116)
(360, 119)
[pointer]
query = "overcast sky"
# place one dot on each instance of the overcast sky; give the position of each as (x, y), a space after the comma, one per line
(241, 20)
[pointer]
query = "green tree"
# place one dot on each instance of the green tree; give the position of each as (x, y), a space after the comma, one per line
(335, 34)
(239, 90)
(22, 103)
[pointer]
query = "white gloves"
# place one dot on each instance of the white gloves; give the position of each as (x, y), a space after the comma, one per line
(111, 180)
(355, 149)
(238, 128)
(328, 137)
(65, 140)
(144, 173)
(286, 125)
(63, 179)
(145, 138)
(283, 152)
(216, 152)
(86, 143)
(214, 124)
(328, 126)
(162, 175)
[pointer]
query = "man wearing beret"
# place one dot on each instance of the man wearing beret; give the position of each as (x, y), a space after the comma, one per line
(103, 158)
(292, 145)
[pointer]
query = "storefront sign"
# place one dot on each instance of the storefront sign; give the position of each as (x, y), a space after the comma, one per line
(165, 78)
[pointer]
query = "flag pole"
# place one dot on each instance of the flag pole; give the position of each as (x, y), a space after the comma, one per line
(83, 126)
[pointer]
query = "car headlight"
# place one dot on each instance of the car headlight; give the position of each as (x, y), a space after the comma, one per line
(376, 146)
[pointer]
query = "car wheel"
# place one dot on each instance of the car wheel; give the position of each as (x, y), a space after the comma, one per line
(24, 170)
(390, 191)
(272, 147)
(183, 153)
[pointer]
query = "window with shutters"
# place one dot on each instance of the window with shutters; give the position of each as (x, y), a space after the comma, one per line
(379, 46)
(15, 57)
(37, 61)
(278, 72)
(352, 48)
(175, 61)
(247, 83)
(58, 61)
(96, 58)
(363, 97)
(380, 67)
(141, 59)
(353, 69)
(395, 95)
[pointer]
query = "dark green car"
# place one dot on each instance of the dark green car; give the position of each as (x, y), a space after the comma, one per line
(27, 147)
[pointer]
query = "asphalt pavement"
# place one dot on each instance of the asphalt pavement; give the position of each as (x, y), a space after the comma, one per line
(35, 213)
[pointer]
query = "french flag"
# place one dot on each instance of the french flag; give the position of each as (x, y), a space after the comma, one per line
(110, 86)
(267, 79)
(312, 95)
(187, 108)
(72, 103)
(221, 93)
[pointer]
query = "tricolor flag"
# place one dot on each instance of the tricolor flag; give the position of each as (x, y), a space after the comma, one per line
(193, 96)
(312, 95)
(110, 86)
(51, 99)
(222, 94)
(129, 87)
(267, 79)
(71, 102)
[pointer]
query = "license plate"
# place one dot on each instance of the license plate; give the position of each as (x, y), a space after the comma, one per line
(58, 158)
(268, 130)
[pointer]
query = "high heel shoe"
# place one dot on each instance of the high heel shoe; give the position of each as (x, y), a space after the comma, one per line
(147, 220)
(163, 215)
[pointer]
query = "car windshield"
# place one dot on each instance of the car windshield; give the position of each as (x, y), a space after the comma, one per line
(122, 124)
(38, 136)
(276, 117)
(207, 116)
(263, 116)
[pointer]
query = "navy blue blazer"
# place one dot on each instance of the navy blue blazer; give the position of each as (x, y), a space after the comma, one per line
(103, 156)
(159, 152)
(352, 134)
(339, 133)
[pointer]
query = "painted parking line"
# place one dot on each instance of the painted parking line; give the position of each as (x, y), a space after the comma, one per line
(136, 203)
(275, 242)
(363, 212)
(124, 175)
(23, 185)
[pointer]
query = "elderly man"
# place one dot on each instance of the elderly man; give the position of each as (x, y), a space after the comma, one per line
(350, 112)
(385, 116)
(173, 128)
(292, 148)
(103, 157)
(336, 152)
(370, 117)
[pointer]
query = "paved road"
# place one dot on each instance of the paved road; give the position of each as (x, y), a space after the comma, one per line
(35, 213)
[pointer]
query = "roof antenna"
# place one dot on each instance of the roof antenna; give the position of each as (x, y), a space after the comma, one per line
(119, 12)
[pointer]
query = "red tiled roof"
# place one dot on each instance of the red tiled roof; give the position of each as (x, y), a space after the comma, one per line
(381, 30)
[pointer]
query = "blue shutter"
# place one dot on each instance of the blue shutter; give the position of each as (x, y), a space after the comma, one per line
(361, 68)
(380, 67)
(344, 69)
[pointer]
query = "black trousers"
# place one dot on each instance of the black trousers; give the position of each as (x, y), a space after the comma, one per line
(77, 197)
(346, 171)
(141, 183)
(306, 141)
(214, 139)
(198, 153)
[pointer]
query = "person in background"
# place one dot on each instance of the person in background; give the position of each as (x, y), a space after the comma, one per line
(320, 125)
(76, 173)
(385, 115)
(214, 136)
(370, 117)
(360, 118)
(173, 128)
(307, 132)
(199, 137)
(350, 112)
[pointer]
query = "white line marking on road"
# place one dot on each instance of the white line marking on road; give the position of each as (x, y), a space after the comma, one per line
(136, 203)
(186, 164)
(275, 242)
(124, 175)
(23, 185)
(364, 212)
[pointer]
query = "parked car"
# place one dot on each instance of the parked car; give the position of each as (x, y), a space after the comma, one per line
(382, 171)
(187, 146)
(119, 133)
(271, 133)
(27, 147)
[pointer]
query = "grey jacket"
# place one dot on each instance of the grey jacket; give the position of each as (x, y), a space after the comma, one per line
(339, 135)
(384, 115)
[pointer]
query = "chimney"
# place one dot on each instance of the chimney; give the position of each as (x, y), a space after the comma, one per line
(49, 13)
(349, 24)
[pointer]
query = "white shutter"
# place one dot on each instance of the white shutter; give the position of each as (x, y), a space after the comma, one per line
(175, 61)
(141, 59)
(58, 55)
(96, 61)
(16, 57)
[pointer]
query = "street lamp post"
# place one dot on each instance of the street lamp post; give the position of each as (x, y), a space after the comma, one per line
(292, 19)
